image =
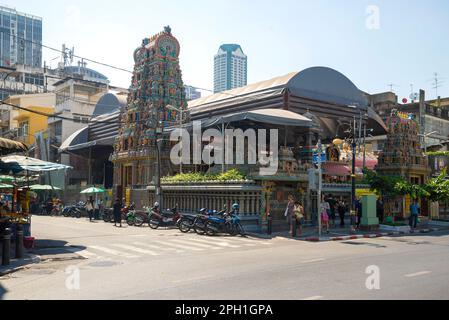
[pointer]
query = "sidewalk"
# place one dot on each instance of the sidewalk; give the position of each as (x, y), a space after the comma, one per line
(17, 264)
(310, 234)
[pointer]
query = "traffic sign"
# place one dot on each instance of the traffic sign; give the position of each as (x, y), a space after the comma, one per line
(323, 158)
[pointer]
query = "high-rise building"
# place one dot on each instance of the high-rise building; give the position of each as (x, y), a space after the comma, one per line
(230, 68)
(192, 93)
(20, 38)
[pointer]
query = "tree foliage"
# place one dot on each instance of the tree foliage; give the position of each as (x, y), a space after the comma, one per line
(436, 189)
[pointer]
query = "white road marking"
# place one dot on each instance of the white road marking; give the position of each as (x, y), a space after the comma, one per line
(114, 252)
(313, 298)
(251, 241)
(417, 274)
(179, 246)
(83, 253)
(221, 243)
(201, 245)
(314, 260)
(152, 246)
(135, 249)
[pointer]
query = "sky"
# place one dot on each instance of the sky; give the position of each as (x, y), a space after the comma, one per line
(373, 43)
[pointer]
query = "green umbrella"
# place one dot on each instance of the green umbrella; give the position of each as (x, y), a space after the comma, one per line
(6, 186)
(93, 190)
(4, 178)
(39, 187)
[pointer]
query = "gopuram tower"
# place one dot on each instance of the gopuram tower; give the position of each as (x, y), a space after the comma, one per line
(156, 93)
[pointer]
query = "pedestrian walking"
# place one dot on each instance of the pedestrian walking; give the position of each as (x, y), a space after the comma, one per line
(290, 213)
(324, 216)
(299, 217)
(414, 213)
(90, 208)
(341, 213)
(117, 210)
(380, 210)
(359, 210)
(332, 209)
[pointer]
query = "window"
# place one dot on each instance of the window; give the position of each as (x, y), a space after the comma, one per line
(24, 129)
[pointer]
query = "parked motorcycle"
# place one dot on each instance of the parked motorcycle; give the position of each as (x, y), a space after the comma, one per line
(196, 222)
(135, 218)
(168, 218)
(71, 211)
(199, 224)
(108, 215)
(226, 223)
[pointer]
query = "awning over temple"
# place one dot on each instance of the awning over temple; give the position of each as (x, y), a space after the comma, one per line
(271, 116)
(336, 169)
(321, 91)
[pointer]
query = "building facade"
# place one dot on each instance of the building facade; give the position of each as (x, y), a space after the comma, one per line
(21, 38)
(29, 123)
(192, 93)
(76, 99)
(230, 68)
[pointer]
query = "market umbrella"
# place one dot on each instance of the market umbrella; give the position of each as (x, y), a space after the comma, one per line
(39, 187)
(6, 186)
(4, 178)
(93, 190)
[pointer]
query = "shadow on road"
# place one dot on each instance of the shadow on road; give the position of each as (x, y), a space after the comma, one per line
(3, 291)
(44, 247)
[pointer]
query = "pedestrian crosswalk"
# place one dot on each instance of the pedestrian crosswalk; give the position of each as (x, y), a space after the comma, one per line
(169, 246)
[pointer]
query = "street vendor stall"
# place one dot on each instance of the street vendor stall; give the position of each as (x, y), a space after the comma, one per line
(25, 166)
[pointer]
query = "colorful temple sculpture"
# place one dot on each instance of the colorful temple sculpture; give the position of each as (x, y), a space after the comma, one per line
(156, 100)
(403, 156)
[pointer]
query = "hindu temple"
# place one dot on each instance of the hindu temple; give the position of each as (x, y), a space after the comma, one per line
(156, 101)
(403, 156)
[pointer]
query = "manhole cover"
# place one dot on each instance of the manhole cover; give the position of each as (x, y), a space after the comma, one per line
(103, 264)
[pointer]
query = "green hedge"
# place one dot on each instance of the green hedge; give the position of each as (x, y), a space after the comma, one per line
(231, 175)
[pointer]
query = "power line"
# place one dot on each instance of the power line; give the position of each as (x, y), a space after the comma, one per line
(55, 116)
(60, 51)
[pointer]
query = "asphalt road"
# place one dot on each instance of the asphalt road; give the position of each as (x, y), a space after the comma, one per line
(140, 263)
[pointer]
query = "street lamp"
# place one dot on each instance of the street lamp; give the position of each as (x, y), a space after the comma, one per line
(180, 110)
(159, 198)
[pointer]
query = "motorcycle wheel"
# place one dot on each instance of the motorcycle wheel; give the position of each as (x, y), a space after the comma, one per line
(106, 218)
(209, 230)
(232, 229)
(200, 230)
(138, 221)
(153, 223)
(240, 230)
(184, 226)
(130, 221)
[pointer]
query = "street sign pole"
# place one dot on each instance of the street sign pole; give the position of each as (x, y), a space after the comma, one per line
(320, 183)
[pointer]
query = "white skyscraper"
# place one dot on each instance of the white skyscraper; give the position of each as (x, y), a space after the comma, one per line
(230, 68)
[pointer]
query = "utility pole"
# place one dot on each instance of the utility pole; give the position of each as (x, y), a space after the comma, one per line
(353, 186)
(320, 183)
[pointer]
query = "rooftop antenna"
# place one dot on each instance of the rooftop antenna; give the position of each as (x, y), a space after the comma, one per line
(391, 85)
(437, 82)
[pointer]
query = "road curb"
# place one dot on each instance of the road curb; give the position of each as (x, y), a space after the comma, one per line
(372, 236)
(24, 263)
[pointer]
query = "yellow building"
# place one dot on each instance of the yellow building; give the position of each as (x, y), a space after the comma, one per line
(28, 123)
